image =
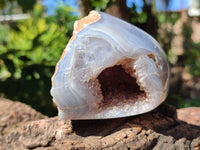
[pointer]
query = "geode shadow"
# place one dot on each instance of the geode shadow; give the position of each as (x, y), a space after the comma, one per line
(162, 120)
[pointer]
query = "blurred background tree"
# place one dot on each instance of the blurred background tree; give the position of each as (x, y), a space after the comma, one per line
(34, 33)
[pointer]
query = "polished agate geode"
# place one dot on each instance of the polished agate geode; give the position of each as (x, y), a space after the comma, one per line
(109, 69)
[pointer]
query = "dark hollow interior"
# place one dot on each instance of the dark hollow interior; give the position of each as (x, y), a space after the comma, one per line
(118, 87)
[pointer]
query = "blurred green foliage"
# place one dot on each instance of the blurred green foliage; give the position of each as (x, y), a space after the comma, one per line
(28, 54)
(24, 4)
(166, 17)
(100, 5)
(180, 101)
(191, 57)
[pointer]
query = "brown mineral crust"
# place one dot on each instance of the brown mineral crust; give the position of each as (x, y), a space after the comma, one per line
(159, 129)
(152, 56)
(80, 24)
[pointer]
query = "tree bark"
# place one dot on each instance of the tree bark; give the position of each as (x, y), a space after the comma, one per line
(159, 129)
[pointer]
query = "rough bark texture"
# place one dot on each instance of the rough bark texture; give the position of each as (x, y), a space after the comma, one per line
(190, 115)
(159, 129)
(14, 115)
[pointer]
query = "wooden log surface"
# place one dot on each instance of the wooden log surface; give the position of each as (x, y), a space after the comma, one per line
(22, 128)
